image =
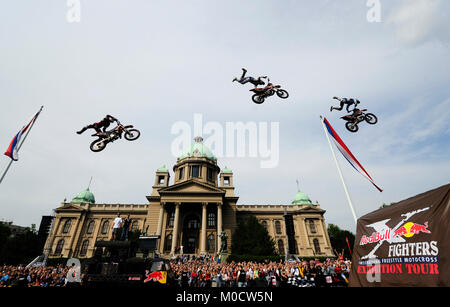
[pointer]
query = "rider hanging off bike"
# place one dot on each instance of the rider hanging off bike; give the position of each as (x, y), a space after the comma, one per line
(252, 80)
(345, 101)
(101, 125)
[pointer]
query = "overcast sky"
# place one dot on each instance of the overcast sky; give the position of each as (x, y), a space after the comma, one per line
(154, 63)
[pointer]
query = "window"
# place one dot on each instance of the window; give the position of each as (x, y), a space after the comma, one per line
(66, 227)
(193, 224)
(281, 247)
(59, 247)
(316, 246)
(211, 243)
(168, 243)
(180, 173)
(171, 220)
(105, 227)
(195, 171)
(264, 223)
(84, 248)
(90, 228)
(226, 180)
(209, 174)
(278, 227)
(211, 221)
(312, 226)
(134, 225)
(160, 179)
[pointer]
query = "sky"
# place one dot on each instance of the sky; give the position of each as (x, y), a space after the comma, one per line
(156, 63)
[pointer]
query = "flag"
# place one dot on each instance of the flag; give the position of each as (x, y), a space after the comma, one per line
(348, 154)
(348, 244)
(13, 148)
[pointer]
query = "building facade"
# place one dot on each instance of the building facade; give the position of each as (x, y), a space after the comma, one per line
(188, 214)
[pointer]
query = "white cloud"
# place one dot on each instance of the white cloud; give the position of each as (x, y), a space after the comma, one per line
(418, 21)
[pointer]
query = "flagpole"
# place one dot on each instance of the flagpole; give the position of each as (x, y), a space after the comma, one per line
(339, 171)
(20, 145)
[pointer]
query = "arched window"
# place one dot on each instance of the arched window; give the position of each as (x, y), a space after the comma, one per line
(84, 247)
(171, 220)
(264, 223)
(211, 243)
(59, 247)
(90, 228)
(211, 219)
(134, 225)
(280, 247)
(66, 226)
(193, 223)
(278, 227)
(312, 226)
(316, 246)
(168, 243)
(105, 227)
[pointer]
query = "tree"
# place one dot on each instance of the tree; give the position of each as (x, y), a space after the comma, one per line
(252, 238)
(20, 249)
(384, 205)
(337, 239)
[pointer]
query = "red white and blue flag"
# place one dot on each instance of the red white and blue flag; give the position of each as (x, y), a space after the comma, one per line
(348, 154)
(13, 148)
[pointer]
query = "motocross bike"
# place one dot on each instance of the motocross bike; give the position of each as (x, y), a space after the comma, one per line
(358, 116)
(262, 93)
(110, 136)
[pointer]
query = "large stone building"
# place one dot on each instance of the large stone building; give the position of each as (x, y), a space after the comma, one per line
(190, 212)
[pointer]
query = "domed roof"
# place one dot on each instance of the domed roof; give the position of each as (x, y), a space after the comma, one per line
(198, 149)
(301, 199)
(84, 196)
(162, 169)
(226, 170)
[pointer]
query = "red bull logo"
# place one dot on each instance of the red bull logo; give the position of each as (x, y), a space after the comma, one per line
(159, 276)
(410, 229)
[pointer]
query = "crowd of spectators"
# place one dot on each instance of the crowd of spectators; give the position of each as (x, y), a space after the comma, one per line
(206, 272)
(21, 276)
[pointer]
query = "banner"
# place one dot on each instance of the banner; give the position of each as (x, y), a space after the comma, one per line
(404, 244)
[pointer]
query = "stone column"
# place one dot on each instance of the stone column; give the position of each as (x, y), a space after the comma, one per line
(160, 220)
(203, 230)
(219, 226)
(175, 229)
(160, 224)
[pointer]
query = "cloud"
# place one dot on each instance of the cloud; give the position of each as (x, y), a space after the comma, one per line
(418, 21)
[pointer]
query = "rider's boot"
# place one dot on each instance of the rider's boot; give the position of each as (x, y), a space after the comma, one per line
(82, 130)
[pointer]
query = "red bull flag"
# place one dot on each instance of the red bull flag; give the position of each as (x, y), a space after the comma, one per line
(13, 148)
(348, 154)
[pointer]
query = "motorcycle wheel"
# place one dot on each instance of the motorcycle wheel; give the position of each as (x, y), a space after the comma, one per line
(282, 94)
(371, 118)
(132, 134)
(97, 145)
(351, 127)
(257, 99)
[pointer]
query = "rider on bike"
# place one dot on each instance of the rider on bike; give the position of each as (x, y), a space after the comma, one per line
(345, 101)
(101, 125)
(252, 80)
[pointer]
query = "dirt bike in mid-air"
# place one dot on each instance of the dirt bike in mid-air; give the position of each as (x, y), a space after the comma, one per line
(110, 136)
(358, 116)
(261, 93)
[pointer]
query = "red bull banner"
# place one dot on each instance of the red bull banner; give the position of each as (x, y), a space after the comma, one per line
(404, 244)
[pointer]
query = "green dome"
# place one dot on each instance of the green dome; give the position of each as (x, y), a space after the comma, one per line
(162, 169)
(198, 149)
(301, 199)
(226, 170)
(84, 197)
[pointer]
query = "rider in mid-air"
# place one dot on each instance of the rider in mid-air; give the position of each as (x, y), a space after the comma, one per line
(101, 125)
(252, 80)
(345, 101)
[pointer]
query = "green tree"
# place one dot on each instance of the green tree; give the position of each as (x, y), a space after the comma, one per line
(337, 239)
(252, 238)
(20, 249)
